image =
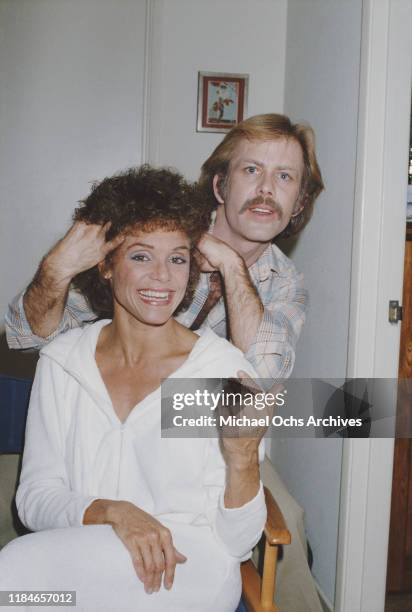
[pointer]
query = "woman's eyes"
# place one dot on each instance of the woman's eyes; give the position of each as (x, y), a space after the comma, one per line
(140, 257)
(175, 259)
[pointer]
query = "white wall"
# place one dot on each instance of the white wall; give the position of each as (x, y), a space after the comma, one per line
(217, 36)
(71, 103)
(72, 95)
(70, 111)
(322, 87)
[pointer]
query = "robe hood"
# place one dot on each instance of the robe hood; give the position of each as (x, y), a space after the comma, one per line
(73, 349)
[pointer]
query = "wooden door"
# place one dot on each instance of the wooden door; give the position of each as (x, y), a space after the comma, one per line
(399, 576)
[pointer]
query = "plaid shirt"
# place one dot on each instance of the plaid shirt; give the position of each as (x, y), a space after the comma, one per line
(272, 352)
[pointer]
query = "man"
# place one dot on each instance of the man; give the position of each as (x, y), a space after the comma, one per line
(264, 179)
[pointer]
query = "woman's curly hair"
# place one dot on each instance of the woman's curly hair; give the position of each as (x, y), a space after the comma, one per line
(146, 199)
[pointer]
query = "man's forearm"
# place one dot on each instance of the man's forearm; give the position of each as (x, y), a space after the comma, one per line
(245, 309)
(45, 299)
(83, 247)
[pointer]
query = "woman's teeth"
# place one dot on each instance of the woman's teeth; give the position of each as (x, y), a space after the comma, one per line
(155, 295)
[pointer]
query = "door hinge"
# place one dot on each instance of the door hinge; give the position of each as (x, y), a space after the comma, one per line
(395, 311)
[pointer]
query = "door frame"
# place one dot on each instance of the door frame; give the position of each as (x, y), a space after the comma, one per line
(377, 277)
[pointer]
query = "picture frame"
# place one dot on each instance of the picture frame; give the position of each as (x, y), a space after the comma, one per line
(221, 100)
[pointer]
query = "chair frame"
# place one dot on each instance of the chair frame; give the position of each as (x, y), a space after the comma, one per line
(258, 593)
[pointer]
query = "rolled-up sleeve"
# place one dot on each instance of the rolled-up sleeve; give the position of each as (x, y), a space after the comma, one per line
(240, 529)
(19, 333)
(237, 530)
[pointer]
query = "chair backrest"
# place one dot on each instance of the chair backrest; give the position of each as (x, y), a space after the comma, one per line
(14, 400)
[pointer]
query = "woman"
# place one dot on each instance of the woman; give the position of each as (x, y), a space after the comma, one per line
(94, 454)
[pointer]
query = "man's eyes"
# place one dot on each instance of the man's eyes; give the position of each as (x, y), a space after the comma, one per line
(251, 169)
(284, 176)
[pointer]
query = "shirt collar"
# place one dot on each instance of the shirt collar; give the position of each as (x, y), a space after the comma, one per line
(266, 265)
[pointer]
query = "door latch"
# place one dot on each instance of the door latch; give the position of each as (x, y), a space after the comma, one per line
(395, 311)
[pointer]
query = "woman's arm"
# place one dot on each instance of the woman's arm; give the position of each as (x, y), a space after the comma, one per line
(242, 478)
(44, 498)
(149, 542)
(236, 503)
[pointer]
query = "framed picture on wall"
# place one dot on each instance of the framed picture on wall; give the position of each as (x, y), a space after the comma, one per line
(222, 100)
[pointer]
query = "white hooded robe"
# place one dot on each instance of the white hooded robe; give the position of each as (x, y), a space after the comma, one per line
(77, 450)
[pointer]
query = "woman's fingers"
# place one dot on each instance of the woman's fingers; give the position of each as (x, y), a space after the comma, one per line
(149, 566)
(169, 556)
(179, 557)
(139, 566)
(172, 557)
(154, 563)
(170, 564)
(159, 564)
(156, 560)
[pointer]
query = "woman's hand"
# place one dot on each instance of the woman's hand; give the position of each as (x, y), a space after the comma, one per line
(240, 443)
(148, 541)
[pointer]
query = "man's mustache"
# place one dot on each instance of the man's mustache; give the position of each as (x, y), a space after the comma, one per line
(258, 201)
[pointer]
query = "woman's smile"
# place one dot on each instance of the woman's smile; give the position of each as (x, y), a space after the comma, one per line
(156, 297)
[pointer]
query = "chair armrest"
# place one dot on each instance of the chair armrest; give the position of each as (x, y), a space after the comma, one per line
(258, 592)
(276, 531)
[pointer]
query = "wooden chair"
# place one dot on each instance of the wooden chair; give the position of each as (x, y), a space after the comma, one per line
(258, 593)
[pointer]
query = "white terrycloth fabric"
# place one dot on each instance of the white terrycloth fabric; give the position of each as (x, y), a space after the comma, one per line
(77, 450)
